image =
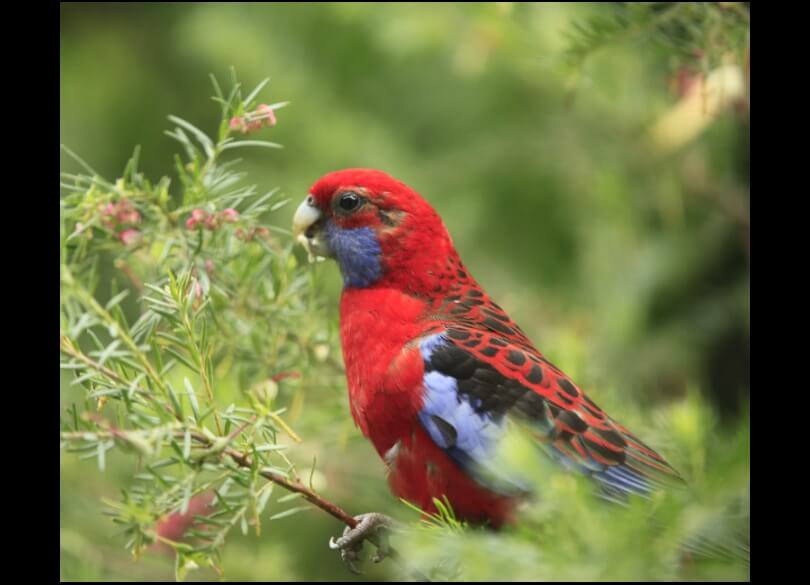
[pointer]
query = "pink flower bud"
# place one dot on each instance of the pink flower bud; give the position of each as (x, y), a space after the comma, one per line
(209, 266)
(130, 237)
(191, 223)
(267, 113)
(107, 213)
(237, 123)
(211, 222)
(174, 526)
(132, 217)
(685, 82)
(229, 215)
(252, 126)
(199, 214)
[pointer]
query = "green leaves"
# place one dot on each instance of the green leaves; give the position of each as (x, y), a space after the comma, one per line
(207, 143)
(165, 387)
(242, 143)
(684, 29)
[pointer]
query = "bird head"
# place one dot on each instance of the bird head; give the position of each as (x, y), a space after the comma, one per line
(378, 229)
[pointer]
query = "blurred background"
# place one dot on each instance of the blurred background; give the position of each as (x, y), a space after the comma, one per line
(596, 183)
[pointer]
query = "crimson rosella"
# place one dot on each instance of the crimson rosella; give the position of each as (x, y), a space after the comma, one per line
(436, 369)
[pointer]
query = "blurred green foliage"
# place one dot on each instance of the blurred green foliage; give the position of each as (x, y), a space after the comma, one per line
(624, 260)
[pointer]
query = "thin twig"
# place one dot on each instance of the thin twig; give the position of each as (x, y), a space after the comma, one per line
(90, 301)
(127, 270)
(330, 508)
(236, 432)
(67, 348)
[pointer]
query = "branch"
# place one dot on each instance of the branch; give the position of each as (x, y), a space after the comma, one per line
(243, 461)
(290, 485)
(332, 509)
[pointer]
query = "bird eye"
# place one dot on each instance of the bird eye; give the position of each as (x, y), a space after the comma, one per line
(349, 201)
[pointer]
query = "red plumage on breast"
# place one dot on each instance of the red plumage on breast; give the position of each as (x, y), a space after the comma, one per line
(385, 372)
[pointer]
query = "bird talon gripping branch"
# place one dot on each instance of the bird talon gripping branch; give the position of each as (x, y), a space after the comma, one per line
(370, 527)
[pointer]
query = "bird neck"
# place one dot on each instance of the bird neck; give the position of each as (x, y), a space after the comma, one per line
(425, 265)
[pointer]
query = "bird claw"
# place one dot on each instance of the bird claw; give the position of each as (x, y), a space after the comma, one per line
(370, 527)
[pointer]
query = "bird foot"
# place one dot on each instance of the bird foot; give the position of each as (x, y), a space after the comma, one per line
(372, 527)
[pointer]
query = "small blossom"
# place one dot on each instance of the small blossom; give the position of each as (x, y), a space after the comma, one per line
(126, 213)
(130, 237)
(685, 82)
(198, 216)
(211, 222)
(244, 124)
(229, 215)
(261, 232)
(119, 214)
(128, 216)
(268, 114)
(107, 215)
(252, 125)
(253, 121)
(174, 526)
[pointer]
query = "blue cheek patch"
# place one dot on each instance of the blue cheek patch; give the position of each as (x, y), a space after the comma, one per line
(358, 254)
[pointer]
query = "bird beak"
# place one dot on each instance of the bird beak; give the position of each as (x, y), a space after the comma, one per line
(308, 229)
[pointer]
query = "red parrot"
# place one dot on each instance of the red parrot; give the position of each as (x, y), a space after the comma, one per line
(436, 369)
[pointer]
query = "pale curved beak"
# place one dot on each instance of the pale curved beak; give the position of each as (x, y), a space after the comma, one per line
(308, 229)
(305, 216)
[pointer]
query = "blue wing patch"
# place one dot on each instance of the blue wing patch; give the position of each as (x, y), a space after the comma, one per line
(469, 436)
(469, 426)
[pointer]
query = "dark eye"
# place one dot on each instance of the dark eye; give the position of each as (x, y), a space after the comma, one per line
(349, 201)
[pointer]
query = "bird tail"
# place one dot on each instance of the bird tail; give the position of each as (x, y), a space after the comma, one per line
(729, 549)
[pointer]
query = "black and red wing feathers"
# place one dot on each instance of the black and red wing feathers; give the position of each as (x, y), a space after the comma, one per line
(500, 372)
